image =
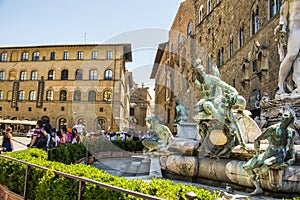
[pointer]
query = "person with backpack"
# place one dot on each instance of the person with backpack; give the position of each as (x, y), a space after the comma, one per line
(7, 142)
(39, 136)
(51, 142)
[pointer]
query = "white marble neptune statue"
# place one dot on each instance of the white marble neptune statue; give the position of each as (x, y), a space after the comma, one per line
(289, 17)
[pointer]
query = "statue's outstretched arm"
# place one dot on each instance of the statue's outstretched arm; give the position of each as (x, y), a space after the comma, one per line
(260, 137)
(228, 88)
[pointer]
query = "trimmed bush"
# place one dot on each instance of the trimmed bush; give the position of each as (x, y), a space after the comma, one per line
(67, 154)
(48, 185)
(73, 152)
(115, 145)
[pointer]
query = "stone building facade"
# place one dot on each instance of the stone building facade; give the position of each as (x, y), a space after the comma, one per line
(66, 85)
(140, 100)
(172, 68)
(237, 36)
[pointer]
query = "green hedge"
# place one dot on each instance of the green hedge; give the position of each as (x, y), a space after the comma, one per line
(71, 153)
(67, 154)
(115, 145)
(47, 185)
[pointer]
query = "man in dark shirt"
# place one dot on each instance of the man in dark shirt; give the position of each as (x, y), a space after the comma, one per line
(37, 135)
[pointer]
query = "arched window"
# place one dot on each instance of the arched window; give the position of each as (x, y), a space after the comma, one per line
(80, 121)
(221, 57)
(179, 40)
(1, 95)
(23, 75)
(2, 75)
(108, 75)
(259, 61)
(93, 74)
(183, 59)
(78, 74)
(34, 75)
(92, 96)
(172, 48)
(46, 119)
(51, 75)
(241, 35)
(9, 95)
(201, 14)
(100, 124)
(62, 122)
(255, 21)
(49, 95)
(12, 75)
(63, 95)
(210, 6)
(21, 95)
(32, 95)
(35, 56)
(210, 63)
(190, 29)
(25, 56)
(254, 66)
(77, 95)
(254, 99)
(231, 47)
(107, 95)
(274, 7)
(64, 74)
(3, 57)
(245, 69)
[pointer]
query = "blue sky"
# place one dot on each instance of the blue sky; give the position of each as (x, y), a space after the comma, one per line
(143, 23)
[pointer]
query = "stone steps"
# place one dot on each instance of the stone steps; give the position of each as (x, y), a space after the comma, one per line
(144, 168)
(132, 169)
(133, 166)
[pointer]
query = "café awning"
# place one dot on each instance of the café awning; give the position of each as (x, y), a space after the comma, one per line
(23, 122)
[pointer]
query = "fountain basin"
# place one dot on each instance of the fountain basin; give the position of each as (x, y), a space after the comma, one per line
(220, 171)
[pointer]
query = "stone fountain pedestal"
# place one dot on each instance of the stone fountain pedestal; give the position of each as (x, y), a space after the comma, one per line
(183, 163)
(187, 130)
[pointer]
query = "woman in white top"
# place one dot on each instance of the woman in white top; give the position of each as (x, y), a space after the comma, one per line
(76, 137)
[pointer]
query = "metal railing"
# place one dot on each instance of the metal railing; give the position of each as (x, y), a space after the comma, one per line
(82, 182)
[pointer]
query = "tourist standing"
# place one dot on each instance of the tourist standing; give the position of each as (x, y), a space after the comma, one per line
(58, 137)
(39, 136)
(75, 135)
(7, 140)
(52, 140)
(69, 137)
(63, 136)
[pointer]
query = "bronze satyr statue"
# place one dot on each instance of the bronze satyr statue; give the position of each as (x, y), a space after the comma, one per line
(163, 138)
(279, 154)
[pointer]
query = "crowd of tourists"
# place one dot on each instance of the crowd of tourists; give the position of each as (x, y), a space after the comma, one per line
(44, 136)
(131, 135)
